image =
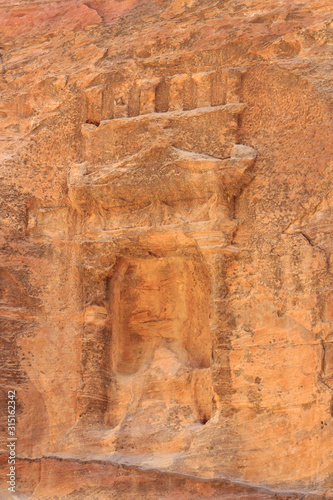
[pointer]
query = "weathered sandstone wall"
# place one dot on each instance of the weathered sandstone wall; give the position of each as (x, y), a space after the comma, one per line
(166, 248)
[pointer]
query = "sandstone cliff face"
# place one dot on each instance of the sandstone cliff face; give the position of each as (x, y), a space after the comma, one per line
(166, 248)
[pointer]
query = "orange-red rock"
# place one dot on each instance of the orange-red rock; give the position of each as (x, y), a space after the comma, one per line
(166, 248)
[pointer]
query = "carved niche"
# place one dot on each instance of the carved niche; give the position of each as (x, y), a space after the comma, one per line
(156, 200)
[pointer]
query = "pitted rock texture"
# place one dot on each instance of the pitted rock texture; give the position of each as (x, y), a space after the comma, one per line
(166, 248)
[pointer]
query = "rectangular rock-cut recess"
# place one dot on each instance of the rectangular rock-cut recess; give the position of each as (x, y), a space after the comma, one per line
(160, 338)
(159, 300)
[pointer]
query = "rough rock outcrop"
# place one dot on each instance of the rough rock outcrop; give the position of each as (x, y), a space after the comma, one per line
(166, 248)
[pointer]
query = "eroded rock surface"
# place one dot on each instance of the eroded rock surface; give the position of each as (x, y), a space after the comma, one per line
(166, 248)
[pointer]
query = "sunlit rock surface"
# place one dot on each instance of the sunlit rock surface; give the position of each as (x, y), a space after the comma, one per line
(166, 248)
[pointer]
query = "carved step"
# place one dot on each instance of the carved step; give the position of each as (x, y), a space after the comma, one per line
(211, 131)
(236, 107)
(180, 92)
(195, 162)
